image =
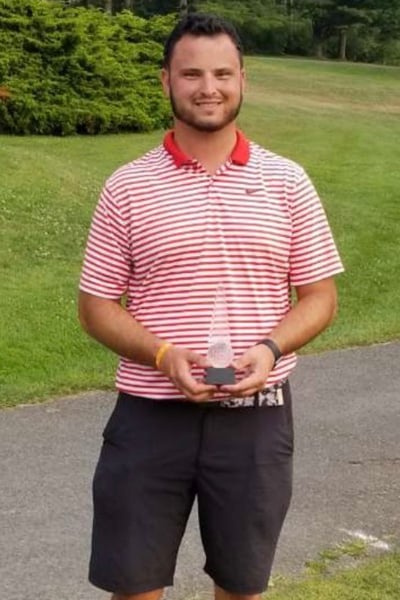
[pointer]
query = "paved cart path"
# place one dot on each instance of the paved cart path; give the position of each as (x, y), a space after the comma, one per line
(347, 477)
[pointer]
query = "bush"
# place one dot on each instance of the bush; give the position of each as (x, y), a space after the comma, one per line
(77, 70)
(362, 45)
(265, 36)
(263, 28)
(391, 52)
(300, 38)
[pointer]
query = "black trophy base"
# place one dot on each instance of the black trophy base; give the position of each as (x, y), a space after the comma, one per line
(220, 375)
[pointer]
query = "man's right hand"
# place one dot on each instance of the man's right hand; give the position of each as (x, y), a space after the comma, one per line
(176, 364)
(111, 324)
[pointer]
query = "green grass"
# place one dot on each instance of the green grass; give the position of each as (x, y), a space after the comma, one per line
(376, 579)
(341, 122)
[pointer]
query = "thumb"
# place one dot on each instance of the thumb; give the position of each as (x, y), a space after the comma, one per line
(241, 363)
(197, 359)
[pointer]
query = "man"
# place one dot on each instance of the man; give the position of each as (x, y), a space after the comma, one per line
(204, 209)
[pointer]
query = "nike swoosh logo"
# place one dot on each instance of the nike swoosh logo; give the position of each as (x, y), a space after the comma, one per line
(253, 190)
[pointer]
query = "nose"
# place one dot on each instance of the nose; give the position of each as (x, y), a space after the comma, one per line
(208, 87)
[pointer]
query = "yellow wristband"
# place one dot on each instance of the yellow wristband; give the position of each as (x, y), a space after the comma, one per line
(160, 353)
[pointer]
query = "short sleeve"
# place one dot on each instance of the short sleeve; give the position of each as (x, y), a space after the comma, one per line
(107, 263)
(314, 255)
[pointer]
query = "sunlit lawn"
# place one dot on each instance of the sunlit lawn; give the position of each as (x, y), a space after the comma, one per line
(377, 579)
(339, 121)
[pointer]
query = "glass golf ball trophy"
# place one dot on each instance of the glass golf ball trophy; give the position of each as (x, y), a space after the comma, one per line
(220, 353)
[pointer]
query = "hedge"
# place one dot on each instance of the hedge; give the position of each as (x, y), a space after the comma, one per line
(77, 70)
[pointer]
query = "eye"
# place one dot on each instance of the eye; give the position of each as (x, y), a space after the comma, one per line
(223, 74)
(190, 74)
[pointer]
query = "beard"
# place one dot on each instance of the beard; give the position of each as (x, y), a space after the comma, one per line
(203, 124)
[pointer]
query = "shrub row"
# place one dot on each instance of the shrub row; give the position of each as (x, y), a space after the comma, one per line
(76, 70)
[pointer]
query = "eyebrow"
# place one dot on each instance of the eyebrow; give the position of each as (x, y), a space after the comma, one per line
(199, 71)
(190, 70)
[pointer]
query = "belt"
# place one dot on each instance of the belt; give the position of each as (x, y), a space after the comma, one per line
(273, 395)
(270, 396)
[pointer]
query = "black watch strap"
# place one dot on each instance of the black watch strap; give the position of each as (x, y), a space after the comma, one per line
(273, 347)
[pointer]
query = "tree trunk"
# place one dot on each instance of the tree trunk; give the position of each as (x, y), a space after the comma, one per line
(343, 43)
(108, 6)
(319, 50)
(183, 8)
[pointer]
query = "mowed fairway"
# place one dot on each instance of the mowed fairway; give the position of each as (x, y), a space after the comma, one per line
(340, 121)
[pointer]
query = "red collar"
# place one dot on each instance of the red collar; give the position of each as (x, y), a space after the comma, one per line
(240, 154)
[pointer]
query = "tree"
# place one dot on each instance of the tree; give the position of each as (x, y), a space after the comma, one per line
(140, 7)
(335, 17)
(367, 30)
(183, 8)
(347, 14)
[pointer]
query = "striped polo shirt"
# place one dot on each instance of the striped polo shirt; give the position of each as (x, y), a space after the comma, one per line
(166, 234)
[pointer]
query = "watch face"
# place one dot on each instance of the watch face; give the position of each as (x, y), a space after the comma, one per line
(220, 354)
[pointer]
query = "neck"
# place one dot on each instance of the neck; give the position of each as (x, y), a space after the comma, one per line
(210, 149)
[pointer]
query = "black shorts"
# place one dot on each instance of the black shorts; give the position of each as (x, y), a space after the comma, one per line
(156, 458)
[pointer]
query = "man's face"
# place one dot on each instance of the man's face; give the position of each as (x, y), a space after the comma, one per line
(204, 81)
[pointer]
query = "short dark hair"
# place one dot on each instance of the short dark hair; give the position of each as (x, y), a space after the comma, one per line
(199, 24)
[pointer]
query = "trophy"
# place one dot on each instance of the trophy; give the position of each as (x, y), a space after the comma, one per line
(220, 353)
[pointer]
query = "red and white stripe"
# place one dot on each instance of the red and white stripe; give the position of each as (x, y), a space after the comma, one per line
(166, 233)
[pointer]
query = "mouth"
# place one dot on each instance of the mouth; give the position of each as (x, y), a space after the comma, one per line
(208, 105)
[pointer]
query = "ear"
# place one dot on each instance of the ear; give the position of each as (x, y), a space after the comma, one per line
(165, 81)
(243, 78)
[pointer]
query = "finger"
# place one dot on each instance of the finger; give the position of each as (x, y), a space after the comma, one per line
(200, 396)
(190, 386)
(244, 393)
(240, 363)
(198, 359)
(246, 386)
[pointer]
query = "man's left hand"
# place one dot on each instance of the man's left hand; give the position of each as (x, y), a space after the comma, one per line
(257, 362)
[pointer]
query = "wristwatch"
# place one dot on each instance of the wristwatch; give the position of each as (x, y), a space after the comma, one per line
(273, 347)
